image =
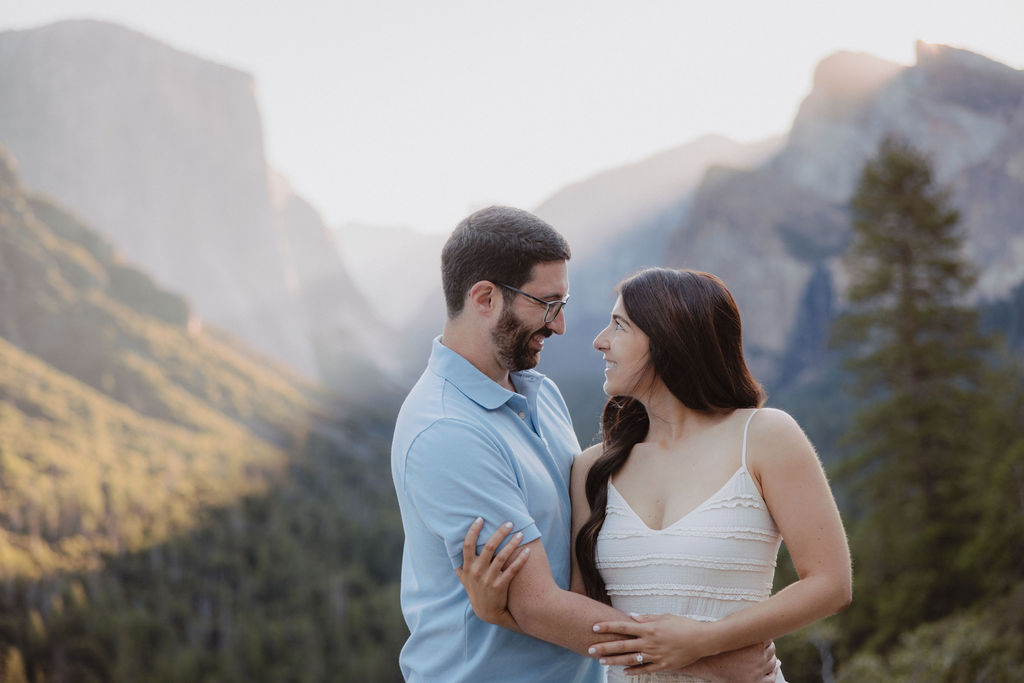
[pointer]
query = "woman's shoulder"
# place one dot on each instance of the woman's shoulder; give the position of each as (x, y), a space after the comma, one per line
(581, 465)
(589, 456)
(772, 422)
(775, 433)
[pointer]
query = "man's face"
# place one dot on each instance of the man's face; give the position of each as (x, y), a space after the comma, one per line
(520, 332)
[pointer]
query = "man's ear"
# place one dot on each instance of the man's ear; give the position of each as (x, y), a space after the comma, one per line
(484, 298)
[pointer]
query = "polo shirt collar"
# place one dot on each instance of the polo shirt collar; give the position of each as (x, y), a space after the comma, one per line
(476, 385)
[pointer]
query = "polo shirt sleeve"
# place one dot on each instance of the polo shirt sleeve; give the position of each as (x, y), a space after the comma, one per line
(454, 473)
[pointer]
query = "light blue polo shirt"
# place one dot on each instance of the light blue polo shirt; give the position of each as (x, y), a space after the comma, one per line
(464, 447)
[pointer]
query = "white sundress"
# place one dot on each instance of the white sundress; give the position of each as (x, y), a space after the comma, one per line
(716, 560)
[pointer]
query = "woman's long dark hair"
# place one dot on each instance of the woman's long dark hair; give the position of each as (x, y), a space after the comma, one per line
(696, 349)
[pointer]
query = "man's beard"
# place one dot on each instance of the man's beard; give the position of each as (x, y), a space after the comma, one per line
(512, 339)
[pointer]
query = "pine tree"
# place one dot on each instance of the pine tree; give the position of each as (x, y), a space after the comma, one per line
(13, 670)
(918, 358)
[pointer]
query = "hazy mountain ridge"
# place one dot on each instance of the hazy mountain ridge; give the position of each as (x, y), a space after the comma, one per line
(163, 152)
(413, 282)
(96, 390)
(597, 209)
(175, 506)
(775, 229)
(769, 232)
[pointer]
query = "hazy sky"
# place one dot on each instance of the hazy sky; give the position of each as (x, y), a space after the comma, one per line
(415, 112)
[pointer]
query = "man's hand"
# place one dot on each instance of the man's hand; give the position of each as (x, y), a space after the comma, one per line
(751, 664)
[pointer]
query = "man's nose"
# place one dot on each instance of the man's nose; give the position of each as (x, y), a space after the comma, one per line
(558, 324)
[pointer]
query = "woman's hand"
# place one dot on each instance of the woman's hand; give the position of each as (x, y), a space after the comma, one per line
(486, 576)
(658, 642)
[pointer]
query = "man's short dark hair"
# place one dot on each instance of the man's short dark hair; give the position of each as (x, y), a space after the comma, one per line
(498, 244)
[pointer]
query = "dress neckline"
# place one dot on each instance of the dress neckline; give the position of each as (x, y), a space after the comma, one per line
(741, 469)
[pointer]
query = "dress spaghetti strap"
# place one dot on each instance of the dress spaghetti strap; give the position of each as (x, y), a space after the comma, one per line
(745, 428)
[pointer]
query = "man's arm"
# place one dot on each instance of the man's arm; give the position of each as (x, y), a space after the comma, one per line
(545, 611)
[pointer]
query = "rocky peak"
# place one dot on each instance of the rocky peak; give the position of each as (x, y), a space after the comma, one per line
(968, 80)
(163, 153)
(843, 82)
(959, 108)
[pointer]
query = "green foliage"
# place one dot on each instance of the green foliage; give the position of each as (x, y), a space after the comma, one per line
(125, 284)
(975, 645)
(134, 288)
(995, 481)
(919, 357)
(174, 507)
(269, 588)
(937, 466)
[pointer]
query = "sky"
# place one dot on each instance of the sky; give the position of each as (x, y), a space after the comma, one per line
(415, 113)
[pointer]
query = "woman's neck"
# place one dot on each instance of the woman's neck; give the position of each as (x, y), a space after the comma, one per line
(670, 420)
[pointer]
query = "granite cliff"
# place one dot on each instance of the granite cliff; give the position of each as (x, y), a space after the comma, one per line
(773, 222)
(775, 233)
(163, 152)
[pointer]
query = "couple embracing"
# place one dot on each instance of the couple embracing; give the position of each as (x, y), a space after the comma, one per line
(647, 557)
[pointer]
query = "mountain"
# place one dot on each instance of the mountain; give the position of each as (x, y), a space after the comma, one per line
(163, 152)
(775, 234)
(616, 222)
(419, 256)
(774, 221)
(600, 208)
(175, 506)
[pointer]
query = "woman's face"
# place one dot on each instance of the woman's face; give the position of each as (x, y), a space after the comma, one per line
(626, 351)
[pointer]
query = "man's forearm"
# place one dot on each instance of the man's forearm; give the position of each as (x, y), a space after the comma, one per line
(563, 618)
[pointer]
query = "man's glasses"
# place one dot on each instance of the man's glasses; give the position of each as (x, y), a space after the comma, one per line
(551, 308)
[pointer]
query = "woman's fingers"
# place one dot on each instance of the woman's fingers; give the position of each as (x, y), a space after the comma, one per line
(614, 648)
(469, 543)
(513, 568)
(626, 628)
(481, 562)
(505, 553)
(623, 660)
(493, 542)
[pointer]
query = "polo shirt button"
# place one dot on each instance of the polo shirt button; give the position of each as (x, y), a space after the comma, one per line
(522, 416)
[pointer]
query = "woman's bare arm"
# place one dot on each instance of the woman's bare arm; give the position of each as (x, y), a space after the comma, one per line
(794, 487)
(580, 507)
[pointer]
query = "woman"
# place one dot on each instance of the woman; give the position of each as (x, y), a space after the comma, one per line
(680, 511)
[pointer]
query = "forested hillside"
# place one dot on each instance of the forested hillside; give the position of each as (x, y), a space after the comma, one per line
(931, 473)
(174, 507)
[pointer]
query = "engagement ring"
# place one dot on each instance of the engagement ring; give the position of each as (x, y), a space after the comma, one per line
(639, 657)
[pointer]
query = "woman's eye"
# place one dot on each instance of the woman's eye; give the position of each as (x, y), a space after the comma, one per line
(619, 326)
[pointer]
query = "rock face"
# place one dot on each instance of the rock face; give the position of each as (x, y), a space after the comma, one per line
(347, 340)
(773, 233)
(773, 223)
(163, 153)
(654, 191)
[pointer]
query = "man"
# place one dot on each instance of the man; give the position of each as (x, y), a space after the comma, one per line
(482, 434)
